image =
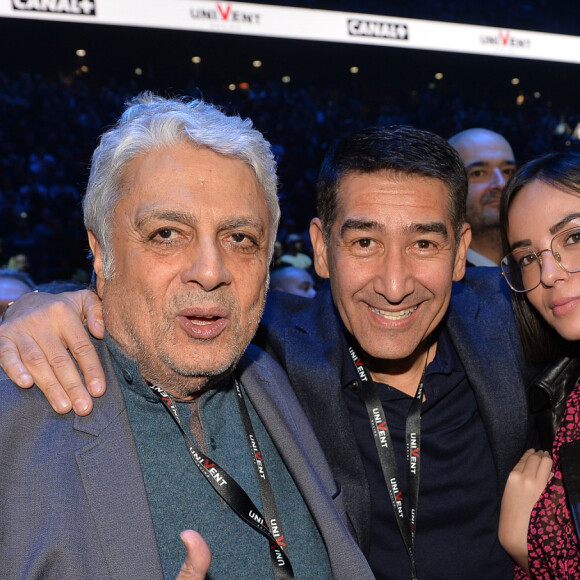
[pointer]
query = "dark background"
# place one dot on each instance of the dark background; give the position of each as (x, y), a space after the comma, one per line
(54, 104)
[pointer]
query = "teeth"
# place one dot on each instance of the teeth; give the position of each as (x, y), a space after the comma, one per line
(394, 315)
(201, 321)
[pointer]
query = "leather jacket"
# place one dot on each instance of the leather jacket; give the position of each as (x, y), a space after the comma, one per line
(547, 396)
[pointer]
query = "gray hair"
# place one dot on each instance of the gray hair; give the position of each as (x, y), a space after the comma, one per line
(150, 123)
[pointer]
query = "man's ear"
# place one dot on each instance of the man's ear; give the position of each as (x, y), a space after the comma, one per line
(461, 254)
(97, 262)
(319, 248)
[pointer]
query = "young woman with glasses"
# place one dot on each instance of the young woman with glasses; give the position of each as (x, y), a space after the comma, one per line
(540, 220)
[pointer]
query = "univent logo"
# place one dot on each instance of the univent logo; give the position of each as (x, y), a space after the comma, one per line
(224, 13)
(83, 7)
(378, 29)
(505, 38)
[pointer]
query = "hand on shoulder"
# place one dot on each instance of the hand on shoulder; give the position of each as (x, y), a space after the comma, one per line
(39, 335)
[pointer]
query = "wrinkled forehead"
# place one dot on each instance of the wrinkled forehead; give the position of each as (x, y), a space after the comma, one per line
(196, 170)
(394, 191)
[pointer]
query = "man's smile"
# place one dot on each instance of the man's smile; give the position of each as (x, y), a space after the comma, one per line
(398, 315)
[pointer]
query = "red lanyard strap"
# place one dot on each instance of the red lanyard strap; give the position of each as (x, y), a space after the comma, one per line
(232, 493)
(386, 452)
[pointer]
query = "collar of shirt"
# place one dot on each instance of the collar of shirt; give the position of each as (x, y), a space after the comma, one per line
(128, 371)
(444, 363)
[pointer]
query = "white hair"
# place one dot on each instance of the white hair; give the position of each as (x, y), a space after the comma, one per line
(151, 122)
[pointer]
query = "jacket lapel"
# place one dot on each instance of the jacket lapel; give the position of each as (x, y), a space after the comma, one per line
(491, 359)
(314, 349)
(111, 475)
(268, 389)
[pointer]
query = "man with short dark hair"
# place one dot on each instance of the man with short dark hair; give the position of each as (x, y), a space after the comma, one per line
(411, 386)
(393, 356)
(489, 162)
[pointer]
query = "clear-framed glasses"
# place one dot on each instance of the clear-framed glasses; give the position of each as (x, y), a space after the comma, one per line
(522, 268)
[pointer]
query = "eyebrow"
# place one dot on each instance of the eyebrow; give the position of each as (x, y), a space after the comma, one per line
(165, 215)
(553, 230)
(487, 164)
(564, 222)
(412, 228)
(186, 217)
(360, 224)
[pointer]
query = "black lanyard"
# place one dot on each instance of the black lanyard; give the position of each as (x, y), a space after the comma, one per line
(386, 452)
(232, 493)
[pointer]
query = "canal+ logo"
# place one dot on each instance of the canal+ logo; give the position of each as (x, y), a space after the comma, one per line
(378, 29)
(80, 7)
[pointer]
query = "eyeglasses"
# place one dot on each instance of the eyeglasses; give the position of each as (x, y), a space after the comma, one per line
(522, 268)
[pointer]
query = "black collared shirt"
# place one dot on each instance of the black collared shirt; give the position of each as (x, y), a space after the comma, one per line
(458, 507)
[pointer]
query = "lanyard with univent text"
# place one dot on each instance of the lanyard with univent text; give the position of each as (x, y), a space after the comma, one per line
(386, 452)
(232, 493)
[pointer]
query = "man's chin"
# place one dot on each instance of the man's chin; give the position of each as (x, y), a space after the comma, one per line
(187, 384)
(200, 375)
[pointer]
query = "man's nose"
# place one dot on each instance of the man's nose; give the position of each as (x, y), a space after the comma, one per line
(498, 178)
(207, 268)
(394, 277)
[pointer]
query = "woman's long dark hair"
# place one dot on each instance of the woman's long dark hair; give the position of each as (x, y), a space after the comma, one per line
(561, 170)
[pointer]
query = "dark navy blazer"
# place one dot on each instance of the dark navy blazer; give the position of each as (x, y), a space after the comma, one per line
(307, 338)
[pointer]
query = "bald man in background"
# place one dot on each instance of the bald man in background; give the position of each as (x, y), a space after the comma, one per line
(489, 162)
(293, 280)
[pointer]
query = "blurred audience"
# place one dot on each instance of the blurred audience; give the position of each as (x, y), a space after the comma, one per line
(295, 254)
(50, 124)
(13, 284)
(19, 262)
(294, 281)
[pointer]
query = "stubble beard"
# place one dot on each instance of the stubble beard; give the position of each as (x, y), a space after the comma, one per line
(484, 223)
(487, 229)
(159, 367)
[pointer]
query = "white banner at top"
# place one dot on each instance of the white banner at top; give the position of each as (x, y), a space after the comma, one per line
(302, 24)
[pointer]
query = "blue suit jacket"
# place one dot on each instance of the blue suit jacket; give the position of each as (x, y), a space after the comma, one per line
(73, 503)
(307, 338)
